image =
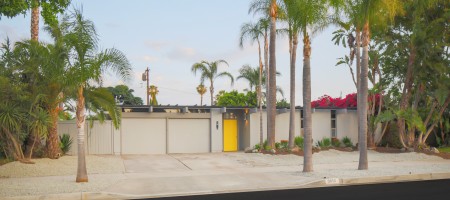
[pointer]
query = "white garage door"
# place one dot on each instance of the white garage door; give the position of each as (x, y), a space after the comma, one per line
(188, 135)
(143, 136)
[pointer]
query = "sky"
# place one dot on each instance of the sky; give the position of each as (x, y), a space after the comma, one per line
(169, 36)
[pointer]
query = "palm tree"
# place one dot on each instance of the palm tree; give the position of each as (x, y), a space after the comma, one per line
(86, 71)
(308, 16)
(153, 91)
(201, 89)
(264, 7)
(293, 32)
(209, 71)
(50, 9)
(250, 74)
(380, 12)
(269, 8)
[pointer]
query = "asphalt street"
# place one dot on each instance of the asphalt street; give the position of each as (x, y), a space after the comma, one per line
(434, 189)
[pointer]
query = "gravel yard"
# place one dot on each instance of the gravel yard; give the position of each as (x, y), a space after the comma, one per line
(58, 176)
(49, 176)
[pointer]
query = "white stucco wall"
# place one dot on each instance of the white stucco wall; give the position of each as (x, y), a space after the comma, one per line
(216, 130)
(321, 125)
(282, 126)
(255, 128)
(347, 125)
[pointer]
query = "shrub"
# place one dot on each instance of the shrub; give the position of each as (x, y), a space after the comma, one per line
(257, 147)
(284, 144)
(299, 141)
(347, 141)
(65, 143)
(277, 145)
(326, 142)
(335, 142)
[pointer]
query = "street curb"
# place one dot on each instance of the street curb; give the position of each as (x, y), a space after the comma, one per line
(326, 182)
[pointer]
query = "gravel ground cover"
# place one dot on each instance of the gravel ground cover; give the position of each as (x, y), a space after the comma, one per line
(338, 164)
(49, 176)
(66, 165)
(58, 176)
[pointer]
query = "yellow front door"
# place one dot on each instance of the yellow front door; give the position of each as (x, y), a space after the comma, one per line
(230, 135)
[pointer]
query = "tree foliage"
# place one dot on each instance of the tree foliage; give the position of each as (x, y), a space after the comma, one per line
(124, 95)
(235, 98)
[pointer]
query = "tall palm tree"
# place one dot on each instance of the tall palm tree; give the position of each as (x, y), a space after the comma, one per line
(253, 32)
(49, 11)
(293, 32)
(201, 89)
(273, 13)
(209, 71)
(263, 7)
(367, 11)
(310, 17)
(85, 72)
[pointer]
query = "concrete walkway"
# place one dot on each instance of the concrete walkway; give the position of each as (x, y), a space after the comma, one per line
(188, 174)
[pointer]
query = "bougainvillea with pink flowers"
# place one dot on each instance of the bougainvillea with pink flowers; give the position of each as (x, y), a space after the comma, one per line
(327, 101)
(350, 101)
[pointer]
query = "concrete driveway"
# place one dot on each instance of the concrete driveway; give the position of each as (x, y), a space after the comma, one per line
(184, 174)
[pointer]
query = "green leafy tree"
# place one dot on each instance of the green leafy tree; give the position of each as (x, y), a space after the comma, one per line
(209, 71)
(12, 8)
(125, 95)
(235, 98)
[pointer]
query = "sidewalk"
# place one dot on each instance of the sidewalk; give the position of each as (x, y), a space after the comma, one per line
(190, 174)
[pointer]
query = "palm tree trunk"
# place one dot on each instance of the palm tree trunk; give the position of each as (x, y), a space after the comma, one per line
(201, 99)
(307, 117)
(261, 133)
(81, 171)
(266, 64)
(53, 149)
(35, 21)
(358, 71)
(362, 143)
(272, 73)
(211, 90)
(292, 95)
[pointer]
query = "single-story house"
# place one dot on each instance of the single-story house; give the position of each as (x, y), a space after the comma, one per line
(202, 129)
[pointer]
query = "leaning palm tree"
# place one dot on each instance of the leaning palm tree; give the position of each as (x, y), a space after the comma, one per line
(201, 89)
(209, 71)
(86, 71)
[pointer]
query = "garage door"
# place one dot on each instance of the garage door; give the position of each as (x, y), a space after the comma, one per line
(143, 136)
(188, 135)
